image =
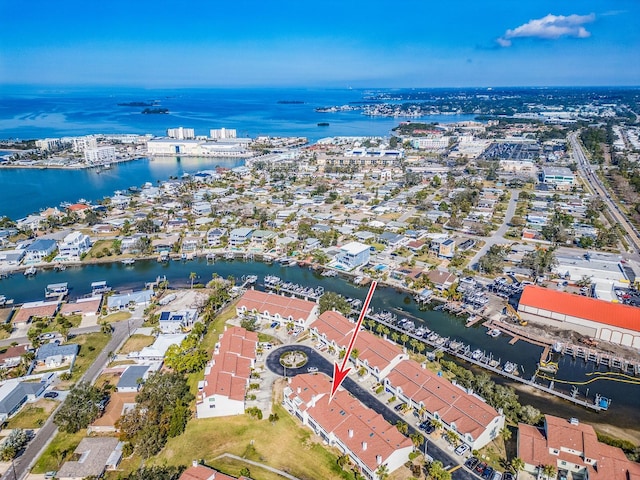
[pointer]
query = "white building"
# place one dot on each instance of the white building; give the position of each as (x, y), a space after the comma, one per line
(430, 142)
(352, 255)
(100, 155)
(181, 133)
(80, 144)
(49, 144)
(218, 133)
(74, 245)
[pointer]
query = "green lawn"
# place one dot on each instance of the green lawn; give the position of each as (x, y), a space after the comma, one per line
(90, 346)
(136, 342)
(33, 415)
(117, 317)
(53, 458)
(297, 452)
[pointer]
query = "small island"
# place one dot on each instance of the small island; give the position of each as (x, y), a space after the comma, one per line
(155, 111)
(290, 102)
(136, 104)
(323, 124)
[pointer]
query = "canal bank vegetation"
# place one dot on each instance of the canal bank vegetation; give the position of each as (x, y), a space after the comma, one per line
(631, 450)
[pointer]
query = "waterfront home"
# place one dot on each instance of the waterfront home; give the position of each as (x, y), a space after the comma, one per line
(74, 245)
(475, 422)
(14, 394)
(240, 236)
(88, 307)
(227, 375)
(574, 450)
(165, 243)
(441, 279)
(214, 236)
(352, 255)
(31, 310)
(190, 244)
(94, 456)
(311, 244)
(261, 237)
(11, 258)
(357, 431)
(178, 321)
(125, 300)
(31, 222)
(270, 307)
(39, 250)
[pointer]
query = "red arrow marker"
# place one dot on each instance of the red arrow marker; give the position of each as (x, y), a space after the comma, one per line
(340, 372)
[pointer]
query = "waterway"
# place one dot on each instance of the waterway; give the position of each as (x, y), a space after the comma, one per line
(625, 399)
(27, 190)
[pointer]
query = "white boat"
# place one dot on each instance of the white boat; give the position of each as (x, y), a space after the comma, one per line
(548, 367)
(558, 346)
(98, 288)
(128, 261)
(476, 354)
(31, 271)
(509, 367)
(494, 332)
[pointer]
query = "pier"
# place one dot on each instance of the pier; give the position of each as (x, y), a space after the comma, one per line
(275, 284)
(479, 358)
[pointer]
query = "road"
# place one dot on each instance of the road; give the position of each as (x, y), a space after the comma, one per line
(632, 235)
(498, 236)
(325, 366)
(46, 433)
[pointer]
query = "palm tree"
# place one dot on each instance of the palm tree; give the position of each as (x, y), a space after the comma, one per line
(395, 336)
(517, 464)
(192, 277)
(404, 338)
(383, 472)
(402, 427)
(417, 440)
(549, 471)
(421, 347)
(413, 342)
(506, 434)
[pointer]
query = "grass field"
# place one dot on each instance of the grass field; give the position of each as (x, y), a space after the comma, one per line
(33, 415)
(284, 445)
(53, 456)
(117, 317)
(136, 342)
(90, 346)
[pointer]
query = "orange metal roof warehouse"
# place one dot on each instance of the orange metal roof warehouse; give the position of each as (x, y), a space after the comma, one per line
(615, 314)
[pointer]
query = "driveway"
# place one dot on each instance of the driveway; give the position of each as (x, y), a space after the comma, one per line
(326, 366)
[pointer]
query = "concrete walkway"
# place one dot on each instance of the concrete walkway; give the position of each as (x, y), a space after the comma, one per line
(258, 464)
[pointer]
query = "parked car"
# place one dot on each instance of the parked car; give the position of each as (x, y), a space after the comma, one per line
(488, 471)
(399, 407)
(508, 476)
(462, 449)
(496, 475)
(471, 463)
(51, 395)
(312, 369)
(480, 468)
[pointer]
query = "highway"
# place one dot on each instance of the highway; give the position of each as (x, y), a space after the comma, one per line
(46, 433)
(632, 236)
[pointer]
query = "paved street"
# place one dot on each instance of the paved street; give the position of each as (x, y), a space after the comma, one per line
(497, 238)
(49, 430)
(325, 366)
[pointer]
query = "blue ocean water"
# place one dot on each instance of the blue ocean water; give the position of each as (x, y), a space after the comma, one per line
(69, 112)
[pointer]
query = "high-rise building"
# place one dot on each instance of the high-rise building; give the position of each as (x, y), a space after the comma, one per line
(181, 133)
(218, 133)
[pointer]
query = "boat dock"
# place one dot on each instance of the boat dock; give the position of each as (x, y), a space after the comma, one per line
(275, 284)
(477, 357)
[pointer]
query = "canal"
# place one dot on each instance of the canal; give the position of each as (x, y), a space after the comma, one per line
(625, 398)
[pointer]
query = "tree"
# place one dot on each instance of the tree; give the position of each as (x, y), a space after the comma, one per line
(417, 440)
(81, 407)
(436, 471)
(383, 472)
(244, 472)
(192, 277)
(517, 464)
(540, 261)
(156, 473)
(506, 434)
(13, 444)
(331, 300)
(549, 471)
(402, 427)
(530, 415)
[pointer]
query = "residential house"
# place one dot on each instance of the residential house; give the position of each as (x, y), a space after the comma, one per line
(132, 378)
(311, 244)
(74, 245)
(177, 322)
(574, 450)
(156, 351)
(262, 237)
(393, 240)
(270, 307)
(352, 255)
(226, 377)
(12, 356)
(53, 355)
(39, 250)
(14, 394)
(356, 430)
(120, 301)
(32, 310)
(441, 279)
(91, 458)
(190, 245)
(201, 208)
(240, 236)
(214, 236)
(201, 472)
(118, 405)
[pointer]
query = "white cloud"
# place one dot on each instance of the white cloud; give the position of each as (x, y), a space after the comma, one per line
(550, 27)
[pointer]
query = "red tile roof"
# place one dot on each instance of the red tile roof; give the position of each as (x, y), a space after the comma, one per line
(200, 472)
(286, 307)
(364, 432)
(35, 309)
(534, 447)
(614, 314)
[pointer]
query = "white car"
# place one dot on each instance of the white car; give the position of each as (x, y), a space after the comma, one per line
(462, 449)
(312, 369)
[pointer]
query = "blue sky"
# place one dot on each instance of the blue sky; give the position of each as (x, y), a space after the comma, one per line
(358, 43)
